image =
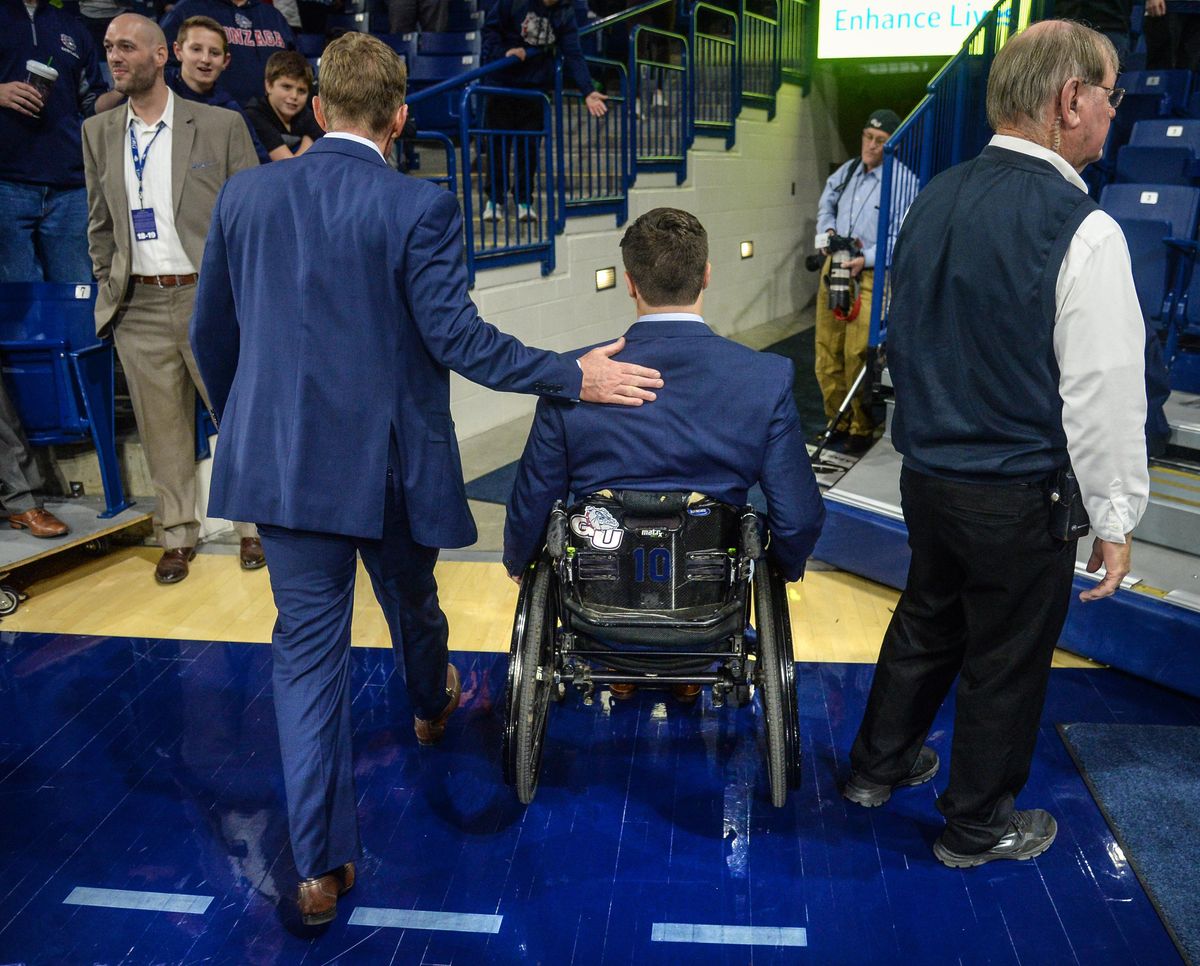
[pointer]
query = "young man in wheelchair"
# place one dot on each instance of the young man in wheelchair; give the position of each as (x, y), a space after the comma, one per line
(724, 421)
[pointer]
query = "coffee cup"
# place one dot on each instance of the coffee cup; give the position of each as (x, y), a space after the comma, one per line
(41, 76)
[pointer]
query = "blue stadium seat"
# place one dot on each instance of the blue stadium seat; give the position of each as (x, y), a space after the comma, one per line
(1177, 206)
(1161, 151)
(59, 375)
(468, 42)
(462, 19)
(429, 69)
(1175, 85)
(403, 44)
(1152, 266)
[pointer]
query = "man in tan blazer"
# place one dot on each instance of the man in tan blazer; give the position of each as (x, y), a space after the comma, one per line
(154, 168)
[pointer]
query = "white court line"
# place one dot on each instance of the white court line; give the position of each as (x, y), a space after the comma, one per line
(145, 901)
(696, 932)
(422, 919)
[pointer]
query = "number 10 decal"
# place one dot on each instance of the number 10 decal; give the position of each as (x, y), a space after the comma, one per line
(659, 559)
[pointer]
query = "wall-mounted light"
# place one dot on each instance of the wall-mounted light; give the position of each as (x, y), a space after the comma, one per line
(606, 278)
(747, 249)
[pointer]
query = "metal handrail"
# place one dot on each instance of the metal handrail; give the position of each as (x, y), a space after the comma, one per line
(944, 129)
(701, 41)
(623, 16)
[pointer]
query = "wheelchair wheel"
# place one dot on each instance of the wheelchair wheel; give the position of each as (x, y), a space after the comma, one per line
(530, 681)
(776, 680)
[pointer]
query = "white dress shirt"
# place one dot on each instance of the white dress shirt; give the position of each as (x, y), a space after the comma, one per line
(358, 139)
(1099, 342)
(163, 255)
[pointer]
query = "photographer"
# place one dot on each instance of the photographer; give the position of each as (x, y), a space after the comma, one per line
(848, 213)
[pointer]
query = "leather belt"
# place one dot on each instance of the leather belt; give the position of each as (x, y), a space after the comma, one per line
(164, 281)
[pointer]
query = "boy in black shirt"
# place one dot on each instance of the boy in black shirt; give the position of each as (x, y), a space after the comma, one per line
(283, 119)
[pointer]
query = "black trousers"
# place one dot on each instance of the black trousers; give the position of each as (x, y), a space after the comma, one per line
(985, 601)
(512, 114)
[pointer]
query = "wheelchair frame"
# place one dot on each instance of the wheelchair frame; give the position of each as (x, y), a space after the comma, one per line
(547, 654)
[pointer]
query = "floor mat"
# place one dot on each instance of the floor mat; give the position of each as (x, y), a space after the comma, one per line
(1146, 780)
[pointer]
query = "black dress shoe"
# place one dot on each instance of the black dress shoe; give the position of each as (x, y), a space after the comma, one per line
(251, 554)
(173, 565)
(867, 793)
(317, 897)
(1029, 835)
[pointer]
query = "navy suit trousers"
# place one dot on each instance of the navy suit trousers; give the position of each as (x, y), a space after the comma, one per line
(312, 578)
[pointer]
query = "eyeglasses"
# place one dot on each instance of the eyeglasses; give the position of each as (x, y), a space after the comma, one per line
(1115, 94)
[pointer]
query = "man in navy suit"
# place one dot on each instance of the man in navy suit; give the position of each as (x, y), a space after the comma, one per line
(725, 421)
(332, 305)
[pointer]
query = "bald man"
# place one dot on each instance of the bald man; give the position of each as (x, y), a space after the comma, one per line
(153, 170)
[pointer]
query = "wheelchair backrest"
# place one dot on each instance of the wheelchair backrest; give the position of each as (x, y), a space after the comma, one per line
(651, 552)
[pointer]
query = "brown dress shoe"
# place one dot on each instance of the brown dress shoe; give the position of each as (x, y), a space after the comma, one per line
(318, 896)
(173, 565)
(687, 693)
(251, 554)
(430, 732)
(39, 522)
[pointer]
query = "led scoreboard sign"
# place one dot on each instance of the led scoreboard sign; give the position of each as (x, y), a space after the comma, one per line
(861, 29)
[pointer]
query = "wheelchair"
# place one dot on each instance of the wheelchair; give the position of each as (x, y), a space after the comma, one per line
(650, 589)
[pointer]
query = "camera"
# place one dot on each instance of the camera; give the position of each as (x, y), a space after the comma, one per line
(843, 290)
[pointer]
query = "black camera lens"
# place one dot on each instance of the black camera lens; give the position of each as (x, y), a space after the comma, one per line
(814, 262)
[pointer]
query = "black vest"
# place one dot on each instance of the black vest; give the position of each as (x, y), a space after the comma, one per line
(970, 331)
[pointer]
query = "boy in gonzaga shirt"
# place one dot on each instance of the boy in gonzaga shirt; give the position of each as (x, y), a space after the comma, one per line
(283, 120)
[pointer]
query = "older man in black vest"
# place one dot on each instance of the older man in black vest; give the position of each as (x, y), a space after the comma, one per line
(1015, 345)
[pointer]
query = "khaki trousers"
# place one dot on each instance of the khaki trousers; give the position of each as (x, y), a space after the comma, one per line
(151, 335)
(841, 351)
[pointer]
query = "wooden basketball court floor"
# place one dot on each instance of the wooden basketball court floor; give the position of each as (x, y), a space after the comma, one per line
(141, 805)
(141, 800)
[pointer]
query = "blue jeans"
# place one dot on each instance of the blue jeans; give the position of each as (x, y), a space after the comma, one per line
(43, 234)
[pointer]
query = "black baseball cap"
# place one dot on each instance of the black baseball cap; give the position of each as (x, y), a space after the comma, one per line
(883, 120)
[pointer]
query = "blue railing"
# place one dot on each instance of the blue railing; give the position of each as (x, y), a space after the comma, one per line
(946, 127)
(760, 71)
(673, 86)
(659, 61)
(713, 34)
(509, 216)
(594, 164)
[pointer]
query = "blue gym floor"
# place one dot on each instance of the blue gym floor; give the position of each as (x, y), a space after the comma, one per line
(151, 767)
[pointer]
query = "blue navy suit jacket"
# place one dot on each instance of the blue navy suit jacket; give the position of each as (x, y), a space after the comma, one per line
(724, 420)
(332, 304)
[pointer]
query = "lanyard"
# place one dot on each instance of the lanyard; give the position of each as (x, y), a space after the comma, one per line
(139, 161)
(854, 214)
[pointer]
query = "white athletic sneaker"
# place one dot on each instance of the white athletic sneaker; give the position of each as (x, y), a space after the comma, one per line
(526, 213)
(490, 212)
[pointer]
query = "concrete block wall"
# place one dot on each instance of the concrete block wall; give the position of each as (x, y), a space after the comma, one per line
(765, 190)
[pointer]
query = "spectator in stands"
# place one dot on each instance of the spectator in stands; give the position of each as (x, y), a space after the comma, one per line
(43, 202)
(283, 118)
(737, 403)
(404, 16)
(849, 207)
(1109, 17)
(350, 338)
(254, 31)
(535, 32)
(1015, 346)
(1172, 31)
(146, 238)
(203, 55)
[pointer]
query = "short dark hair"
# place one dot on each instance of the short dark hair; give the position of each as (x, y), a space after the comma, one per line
(290, 64)
(665, 253)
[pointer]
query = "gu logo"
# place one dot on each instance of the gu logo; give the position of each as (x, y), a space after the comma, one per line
(599, 527)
